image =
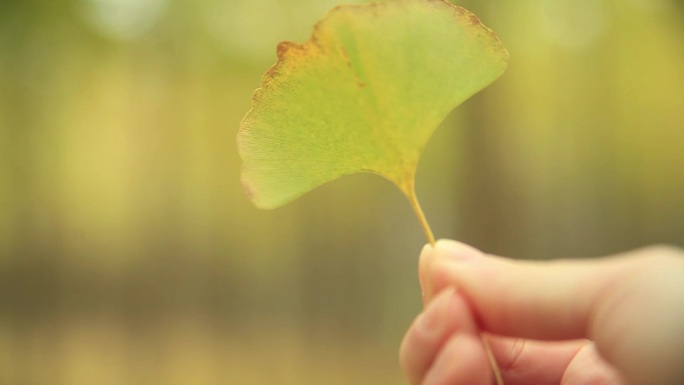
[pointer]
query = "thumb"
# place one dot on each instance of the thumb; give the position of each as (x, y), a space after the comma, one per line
(624, 303)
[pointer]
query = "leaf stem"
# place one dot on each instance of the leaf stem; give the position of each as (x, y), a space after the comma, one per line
(411, 195)
(492, 360)
(410, 192)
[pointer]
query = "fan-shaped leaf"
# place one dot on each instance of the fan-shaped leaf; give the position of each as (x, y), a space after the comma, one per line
(364, 93)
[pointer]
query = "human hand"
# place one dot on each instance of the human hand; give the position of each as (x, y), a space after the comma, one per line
(613, 320)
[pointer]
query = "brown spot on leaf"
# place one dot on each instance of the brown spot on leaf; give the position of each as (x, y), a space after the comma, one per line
(270, 74)
(283, 47)
(460, 10)
(374, 8)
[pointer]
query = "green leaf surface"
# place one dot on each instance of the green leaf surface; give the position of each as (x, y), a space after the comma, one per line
(363, 94)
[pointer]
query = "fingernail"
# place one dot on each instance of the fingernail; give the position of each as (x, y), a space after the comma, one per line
(427, 249)
(456, 251)
(433, 318)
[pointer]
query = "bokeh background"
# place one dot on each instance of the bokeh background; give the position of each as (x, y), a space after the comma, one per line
(130, 255)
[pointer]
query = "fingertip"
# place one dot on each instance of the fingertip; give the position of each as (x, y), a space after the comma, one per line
(463, 360)
(433, 276)
(448, 314)
(427, 249)
(456, 251)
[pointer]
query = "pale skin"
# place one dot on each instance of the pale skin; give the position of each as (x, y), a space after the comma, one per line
(606, 321)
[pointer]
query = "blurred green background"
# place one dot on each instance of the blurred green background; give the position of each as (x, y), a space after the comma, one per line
(130, 255)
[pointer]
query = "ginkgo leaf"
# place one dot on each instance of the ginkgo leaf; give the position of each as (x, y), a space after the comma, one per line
(364, 93)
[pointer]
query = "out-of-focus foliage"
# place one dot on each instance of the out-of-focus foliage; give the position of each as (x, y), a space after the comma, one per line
(129, 254)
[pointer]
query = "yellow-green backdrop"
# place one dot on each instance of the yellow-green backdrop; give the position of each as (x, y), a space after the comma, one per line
(130, 255)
